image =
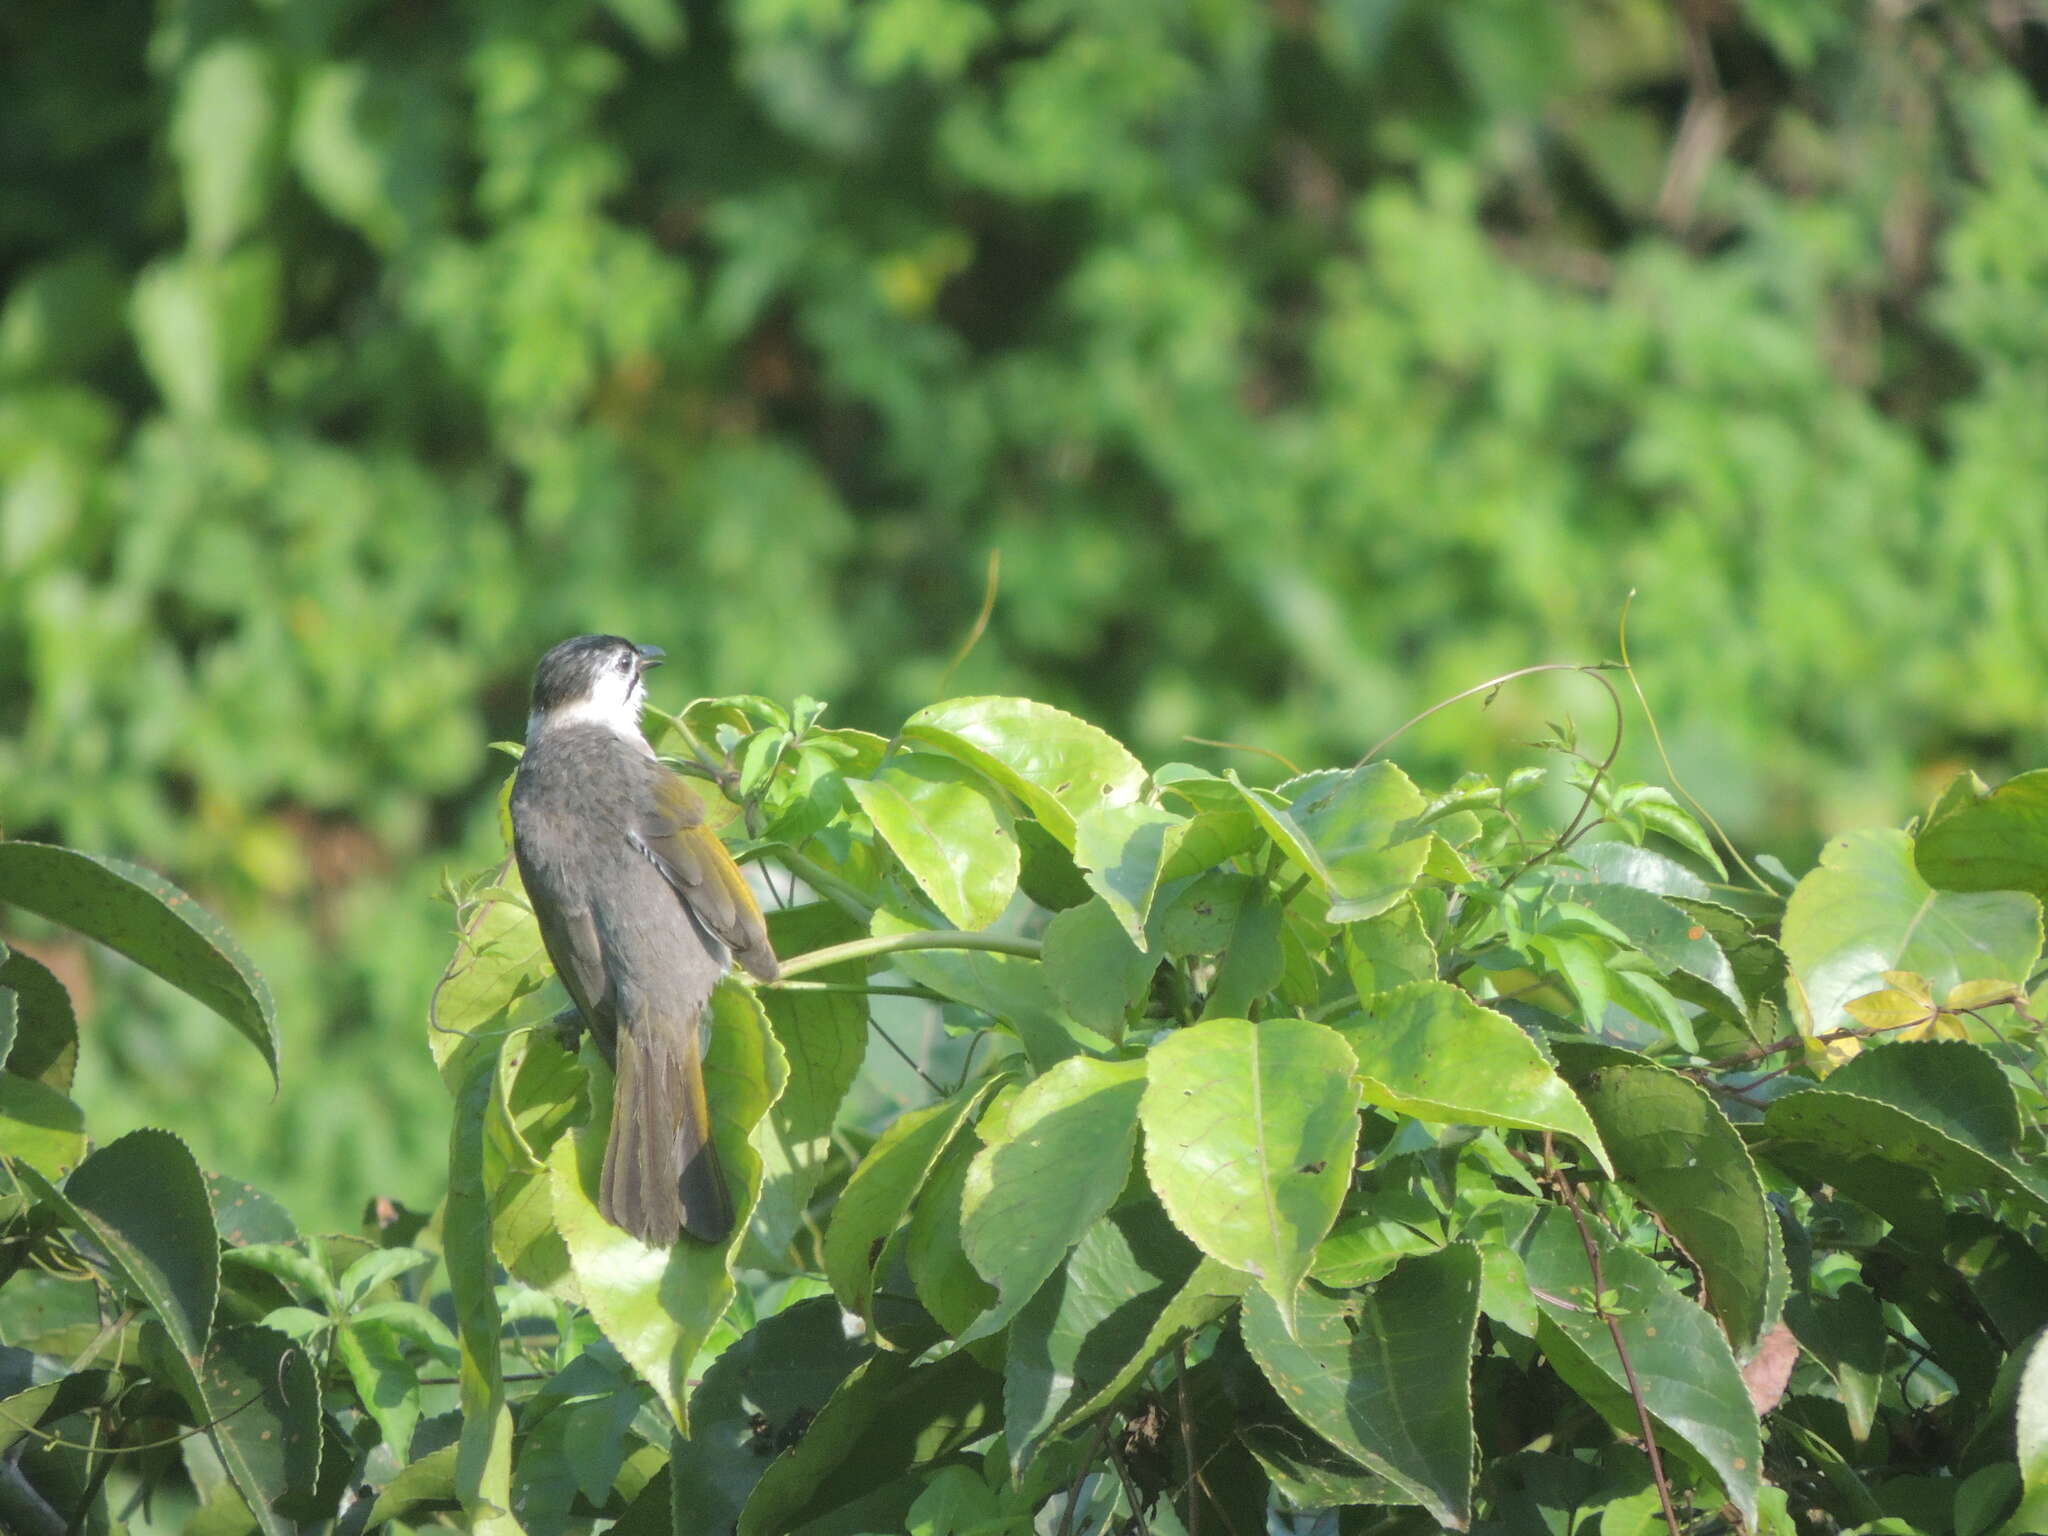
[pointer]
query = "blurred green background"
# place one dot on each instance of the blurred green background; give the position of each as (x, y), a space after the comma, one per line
(1306, 360)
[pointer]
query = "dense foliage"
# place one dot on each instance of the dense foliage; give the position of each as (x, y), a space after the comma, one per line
(1351, 1154)
(351, 354)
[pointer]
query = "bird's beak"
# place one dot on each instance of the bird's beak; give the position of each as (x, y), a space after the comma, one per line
(650, 656)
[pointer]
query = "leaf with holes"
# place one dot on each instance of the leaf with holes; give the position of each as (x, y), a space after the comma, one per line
(1250, 1135)
(1384, 1375)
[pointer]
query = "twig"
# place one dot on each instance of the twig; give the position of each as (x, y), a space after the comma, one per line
(1187, 1431)
(871, 989)
(1628, 1370)
(1123, 1476)
(980, 626)
(1080, 1477)
(1491, 685)
(846, 897)
(1664, 757)
(893, 943)
(1244, 746)
(908, 1060)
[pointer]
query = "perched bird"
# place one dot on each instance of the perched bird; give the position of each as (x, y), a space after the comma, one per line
(641, 909)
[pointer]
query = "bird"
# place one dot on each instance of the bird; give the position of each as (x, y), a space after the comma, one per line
(641, 910)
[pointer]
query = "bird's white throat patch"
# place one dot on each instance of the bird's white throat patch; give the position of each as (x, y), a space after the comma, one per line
(614, 702)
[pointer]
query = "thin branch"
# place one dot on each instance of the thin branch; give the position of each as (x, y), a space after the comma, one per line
(848, 898)
(1491, 685)
(1187, 1432)
(1628, 1370)
(908, 1060)
(1244, 746)
(894, 943)
(1123, 1476)
(873, 989)
(980, 627)
(1657, 739)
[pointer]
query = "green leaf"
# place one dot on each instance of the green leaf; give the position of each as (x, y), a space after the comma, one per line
(483, 1462)
(1254, 959)
(45, 1031)
(1095, 972)
(301, 1271)
(1682, 1364)
(657, 1306)
(944, 1278)
(1057, 765)
(1205, 1296)
(1845, 1332)
(1867, 910)
(1011, 989)
(40, 1126)
(1310, 1474)
(1430, 1051)
(1988, 840)
(1950, 1084)
(1667, 935)
(1389, 951)
(884, 1418)
(1643, 869)
(1062, 1157)
(246, 1214)
(2031, 1431)
(376, 1268)
(947, 832)
(1047, 872)
(224, 133)
(1756, 962)
(202, 324)
(493, 979)
(824, 1037)
(1384, 1375)
(261, 1401)
(881, 1190)
(784, 1369)
(1088, 1320)
(1676, 1152)
(1884, 1129)
(1340, 830)
(384, 1379)
(142, 1201)
(1120, 849)
(1251, 1131)
(151, 921)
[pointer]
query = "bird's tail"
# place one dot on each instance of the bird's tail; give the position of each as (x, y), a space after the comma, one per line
(661, 1169)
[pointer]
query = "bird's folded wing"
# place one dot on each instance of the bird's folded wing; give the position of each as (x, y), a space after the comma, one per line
(571, 940)
(671, 832)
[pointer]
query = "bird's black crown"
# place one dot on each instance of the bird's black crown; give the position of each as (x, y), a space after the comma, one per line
(570, 671)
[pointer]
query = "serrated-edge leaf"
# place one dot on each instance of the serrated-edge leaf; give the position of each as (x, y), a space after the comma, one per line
(1362, 1381)
(1262, 1208)
(138, 913)
(1054, 790)
(143, 1201)
(881, 1190)
(1205, 1296)
(260, 1398)
(1025, 1202)
(1670, 1165)
(1401, 1037)
(1702, 1400)
(483, 1462)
